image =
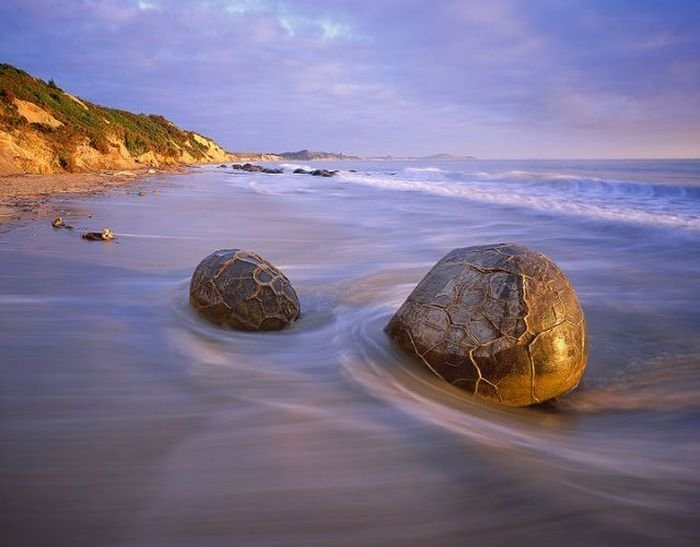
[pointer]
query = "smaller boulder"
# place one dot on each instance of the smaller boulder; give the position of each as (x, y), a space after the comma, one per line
(300, 171)
(242, 290)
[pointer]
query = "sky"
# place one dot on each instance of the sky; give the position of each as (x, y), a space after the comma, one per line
(493, 79)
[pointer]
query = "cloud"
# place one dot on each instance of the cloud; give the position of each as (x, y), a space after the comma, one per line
(502, 78)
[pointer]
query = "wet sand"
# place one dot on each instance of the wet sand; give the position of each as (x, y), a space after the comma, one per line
(128, 420)
(28, 196)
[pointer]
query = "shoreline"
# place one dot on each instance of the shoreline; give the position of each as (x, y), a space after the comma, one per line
(26, 197)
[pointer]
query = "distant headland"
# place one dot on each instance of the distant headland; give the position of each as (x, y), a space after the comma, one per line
(307, 155)
(432, 157)
(46, 130)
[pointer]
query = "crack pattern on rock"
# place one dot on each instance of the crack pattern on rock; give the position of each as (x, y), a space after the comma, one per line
(244, 291)
(500, 321)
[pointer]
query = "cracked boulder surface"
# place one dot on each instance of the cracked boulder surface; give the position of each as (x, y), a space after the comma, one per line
(242, 290)
(500, 321)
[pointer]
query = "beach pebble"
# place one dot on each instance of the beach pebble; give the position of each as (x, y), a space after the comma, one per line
(105, 235)
(58, 222)
(242, 290)
(500, 321)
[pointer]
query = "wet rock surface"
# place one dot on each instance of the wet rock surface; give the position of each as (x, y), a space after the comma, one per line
(500, 321)
(58, 222)
(242, 290)
(105, 235)
(323, 173)
(251, 168)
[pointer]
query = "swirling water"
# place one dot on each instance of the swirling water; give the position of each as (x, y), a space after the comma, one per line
(127, 420)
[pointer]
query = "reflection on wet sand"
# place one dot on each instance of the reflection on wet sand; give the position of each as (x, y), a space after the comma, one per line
(128, 420)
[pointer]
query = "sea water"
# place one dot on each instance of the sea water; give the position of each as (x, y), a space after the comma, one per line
(126, 419)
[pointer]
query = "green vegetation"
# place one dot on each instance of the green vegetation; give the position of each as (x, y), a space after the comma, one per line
(99, 126)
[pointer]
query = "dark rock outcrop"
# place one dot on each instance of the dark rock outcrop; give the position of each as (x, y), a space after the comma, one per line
(251, 168)
(323, 173)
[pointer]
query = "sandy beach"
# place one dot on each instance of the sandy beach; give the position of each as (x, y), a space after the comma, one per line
(28, 196)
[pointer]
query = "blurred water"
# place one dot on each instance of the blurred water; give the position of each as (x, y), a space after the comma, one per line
(127, 420)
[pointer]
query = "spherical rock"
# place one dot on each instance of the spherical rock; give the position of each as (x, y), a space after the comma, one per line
(500, 321)
(244, 291)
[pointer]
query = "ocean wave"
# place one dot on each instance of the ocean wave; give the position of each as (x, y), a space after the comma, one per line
(608, 199)
(516, 175)
(293, 166)
(520, 175)
(423, 170)
(555, 180)
(587, 184)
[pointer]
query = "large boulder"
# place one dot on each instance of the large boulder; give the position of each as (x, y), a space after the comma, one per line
(244, 291)
(500, 321)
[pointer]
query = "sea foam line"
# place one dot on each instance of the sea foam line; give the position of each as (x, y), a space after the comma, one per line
(579, 205)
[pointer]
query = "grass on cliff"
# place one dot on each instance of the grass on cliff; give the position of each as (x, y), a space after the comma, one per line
(140, 133)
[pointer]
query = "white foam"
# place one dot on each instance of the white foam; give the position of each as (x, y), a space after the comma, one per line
(592, 198)
(423, 170)
(293, 166)
(520, 175)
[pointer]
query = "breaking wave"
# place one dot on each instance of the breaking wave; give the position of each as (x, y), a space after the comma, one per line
(655, 204)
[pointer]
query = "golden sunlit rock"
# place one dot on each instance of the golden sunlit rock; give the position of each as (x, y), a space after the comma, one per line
(500, 321)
